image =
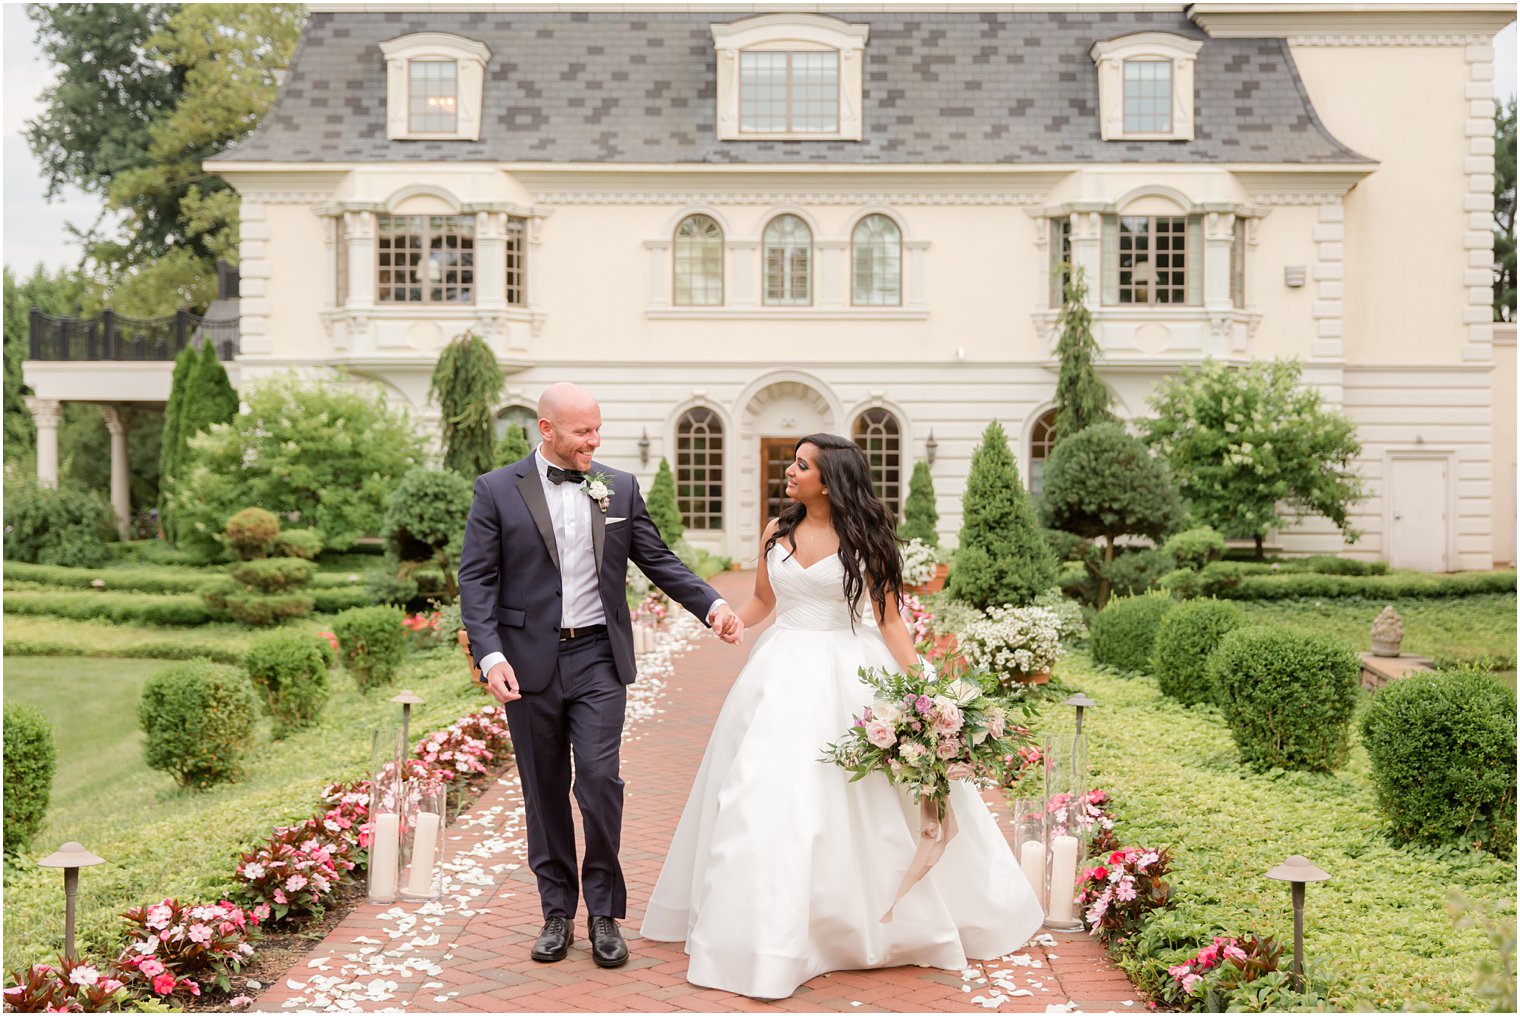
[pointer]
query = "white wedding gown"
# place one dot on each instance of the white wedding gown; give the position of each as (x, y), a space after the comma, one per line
(781, 868)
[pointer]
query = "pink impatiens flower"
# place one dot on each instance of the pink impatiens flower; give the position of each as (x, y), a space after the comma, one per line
(163, 984)
(200, 934)
(84, 975)
(151, 967)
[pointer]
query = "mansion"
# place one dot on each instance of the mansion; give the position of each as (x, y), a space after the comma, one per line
(739, 225)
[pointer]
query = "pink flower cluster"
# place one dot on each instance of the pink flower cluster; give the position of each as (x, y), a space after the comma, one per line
(464, 747)
(1188, 975)
(284, 880)
(426, 627)
(654, 607)
(917, 618)
(1089, 814)
(1117, 895)
(174, 947)
(70, 986)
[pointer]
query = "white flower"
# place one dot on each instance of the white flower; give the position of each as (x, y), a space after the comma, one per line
(598, 490)
(253, 870)
(86, 976)
(886, 712)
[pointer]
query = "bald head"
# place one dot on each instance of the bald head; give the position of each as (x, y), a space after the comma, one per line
(570, 423)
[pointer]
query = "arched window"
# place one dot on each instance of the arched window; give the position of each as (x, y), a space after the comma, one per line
(876, 260)
(699, 468)
(699, 262)
(880, 437)
(1041, 440)
(788, 262)
(524, 417)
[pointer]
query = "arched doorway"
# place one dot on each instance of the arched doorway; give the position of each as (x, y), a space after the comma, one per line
(775, 416)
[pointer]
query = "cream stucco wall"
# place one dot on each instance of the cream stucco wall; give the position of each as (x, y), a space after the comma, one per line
(1504, 445)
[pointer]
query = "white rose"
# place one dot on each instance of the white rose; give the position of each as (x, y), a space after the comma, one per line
(886, 712)
(598, 490)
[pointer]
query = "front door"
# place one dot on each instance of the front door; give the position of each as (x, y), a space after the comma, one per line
(775, 456)
(1417, 533)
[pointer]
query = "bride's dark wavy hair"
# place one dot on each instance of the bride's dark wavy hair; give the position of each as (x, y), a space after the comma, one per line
(868, 540)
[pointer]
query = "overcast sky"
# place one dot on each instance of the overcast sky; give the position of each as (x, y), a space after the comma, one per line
(34, 229)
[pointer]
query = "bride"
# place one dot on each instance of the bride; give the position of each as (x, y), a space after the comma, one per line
(781, 868)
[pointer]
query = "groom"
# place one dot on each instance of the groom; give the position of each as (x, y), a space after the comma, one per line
(541, 582)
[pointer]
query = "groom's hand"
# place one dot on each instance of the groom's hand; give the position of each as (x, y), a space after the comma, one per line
(728, 625)
(502, 681)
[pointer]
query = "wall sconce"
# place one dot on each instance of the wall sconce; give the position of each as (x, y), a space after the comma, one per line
(1293, 276)
(930, 447)
(644, 446)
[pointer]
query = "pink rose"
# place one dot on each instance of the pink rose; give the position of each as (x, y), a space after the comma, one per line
(995, 726)
(948, 719)
(880, 734)
(949, 747)
(959, 771)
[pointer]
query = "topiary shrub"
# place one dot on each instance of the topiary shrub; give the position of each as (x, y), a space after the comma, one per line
(1442, 747)
(1002, 557)
(198, 718)
(513, 446)
(1215, 579)
(1195, 548)
(662, 507)
(1125, 630)
(251, 534)
(424, 523)
(305, 544)
(63, 526)
(1287, 695)
(1188, 633)
(920, 515)
(372, 641)
(30, 761)
(264, 609)
(290, 670)
(1137, 570)
(273, 574)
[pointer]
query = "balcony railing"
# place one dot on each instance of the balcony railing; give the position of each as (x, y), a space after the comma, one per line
(111, 336)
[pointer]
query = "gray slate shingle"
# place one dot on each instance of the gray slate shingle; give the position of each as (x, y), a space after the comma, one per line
(952, 87)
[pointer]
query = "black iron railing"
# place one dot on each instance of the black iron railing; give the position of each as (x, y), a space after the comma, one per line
(111, 336)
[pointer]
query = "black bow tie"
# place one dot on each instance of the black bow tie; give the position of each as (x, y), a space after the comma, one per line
(558, 475)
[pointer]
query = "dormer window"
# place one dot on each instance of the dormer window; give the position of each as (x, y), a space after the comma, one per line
(435, 83)
(789, 77)
(1145, 86)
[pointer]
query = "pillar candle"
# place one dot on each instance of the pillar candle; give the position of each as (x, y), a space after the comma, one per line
(419, 879)
(383, 850)
(1063, 877)
(1032, 860)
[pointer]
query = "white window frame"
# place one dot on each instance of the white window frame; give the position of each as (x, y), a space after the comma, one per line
(1110, 56)
(795, 33)
(469, 57)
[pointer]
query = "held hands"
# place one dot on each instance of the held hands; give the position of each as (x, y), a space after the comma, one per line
(727, 625)
(502, 683)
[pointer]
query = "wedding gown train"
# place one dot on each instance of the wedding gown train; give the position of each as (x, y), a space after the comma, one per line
(781, 869)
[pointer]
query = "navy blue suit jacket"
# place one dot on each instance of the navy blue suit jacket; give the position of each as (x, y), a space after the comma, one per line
(510, 592)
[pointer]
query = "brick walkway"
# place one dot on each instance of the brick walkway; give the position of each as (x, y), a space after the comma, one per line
(469, 952)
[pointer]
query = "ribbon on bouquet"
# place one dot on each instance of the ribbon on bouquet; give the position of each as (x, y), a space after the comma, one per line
(934, 834)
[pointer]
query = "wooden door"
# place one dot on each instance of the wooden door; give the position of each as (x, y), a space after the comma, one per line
(775, 456)
(1418, 531)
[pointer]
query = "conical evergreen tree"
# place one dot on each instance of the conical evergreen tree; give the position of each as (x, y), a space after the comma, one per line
(466, 384)
(170, 447)
(920, 516)
(513, 446)
(1003, 557)
(662, 505)
(1082, 399)
(208, 397)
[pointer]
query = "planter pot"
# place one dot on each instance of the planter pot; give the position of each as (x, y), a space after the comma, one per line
(935, 584)
(1385, 647)
(1024, 678)
(464, 644)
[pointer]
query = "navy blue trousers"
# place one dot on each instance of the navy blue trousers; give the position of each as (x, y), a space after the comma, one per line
(578, 716)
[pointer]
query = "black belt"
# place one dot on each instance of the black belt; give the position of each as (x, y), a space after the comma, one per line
(585, 631)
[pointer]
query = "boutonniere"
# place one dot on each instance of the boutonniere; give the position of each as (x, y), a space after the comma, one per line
(598, 487)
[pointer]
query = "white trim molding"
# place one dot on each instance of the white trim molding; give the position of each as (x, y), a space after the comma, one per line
(782, 33)
(469, 58)
(1360, 24)
(1110, 56)
(1478, 203)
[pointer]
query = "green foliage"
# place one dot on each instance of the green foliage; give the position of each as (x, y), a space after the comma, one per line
(1495, 976)
(920, 515)
(661, 504)
(1240, 440)
(1504, 211)
(1218, 578)
(1136, 570)
(424, 521)
(1002, 557)
(58, 526)
(171, 448)
(252, 534)
(1197, 548)
(305, 544)
(273, 575)
(60, 294)
(1082, 399)
(1101, 482)
(30, 761)
(198, 718)
(372, 642)
(1278, 587)
(121, 608)
(513, 446)
(1124, 631)
(1287, 695)
(290, 670)
(1442, 746)
(198, 398)
(318, 452)
(466, 384)
(1188, 633)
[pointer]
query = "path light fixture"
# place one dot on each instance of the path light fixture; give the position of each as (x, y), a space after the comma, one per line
(70, 857)
(407, 700)
(930, 447)
(644, 446)
(1299, 871)
(1081, 702)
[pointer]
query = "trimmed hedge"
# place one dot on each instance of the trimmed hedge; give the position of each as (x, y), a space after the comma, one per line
(1124, 632)
(332, 601)
(251, 534)
(372, 641)
(1195, 548)
(274, 574)
(290, 670)
(1277, 587)
(120, 608)
(135, 651)
(58, 526)
(1442, 746)
(1287, 695)
(264, 609)
(30, 761)
(145, 579)
(198, 718)
(1188, 633)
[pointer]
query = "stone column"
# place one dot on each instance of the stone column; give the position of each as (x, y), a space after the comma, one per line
(47, 414)
(121, 479)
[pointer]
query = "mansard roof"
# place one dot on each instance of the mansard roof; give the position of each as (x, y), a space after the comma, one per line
(628, 86)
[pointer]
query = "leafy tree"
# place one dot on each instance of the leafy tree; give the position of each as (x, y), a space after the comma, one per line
(661, 503)
(513, 446)
(1003, 557)
(1103, 483)
(920, 515)
(1504, 211)
(1242, 440)
(466, 383)
(1082, 399)
(208, 398)
(61, 293)
(320, 453)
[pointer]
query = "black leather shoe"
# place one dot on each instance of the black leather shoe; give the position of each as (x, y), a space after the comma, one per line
(607, 945)
(554, 941)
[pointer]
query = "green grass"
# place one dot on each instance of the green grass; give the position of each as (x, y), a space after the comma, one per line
(1379, 926)
(1461, 629)
(157, 840)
